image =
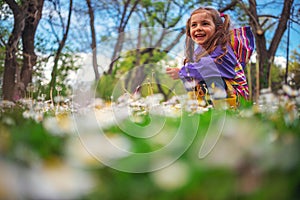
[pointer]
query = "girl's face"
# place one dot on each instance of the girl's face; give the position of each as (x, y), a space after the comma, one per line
(202, 28)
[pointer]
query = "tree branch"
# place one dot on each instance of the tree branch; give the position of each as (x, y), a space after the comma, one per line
(253, 14)
(13, 6)
(282, 25)
(228, 6)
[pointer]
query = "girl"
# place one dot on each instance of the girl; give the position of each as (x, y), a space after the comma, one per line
(213, 66)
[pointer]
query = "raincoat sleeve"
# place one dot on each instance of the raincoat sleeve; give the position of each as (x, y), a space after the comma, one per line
(207, 68)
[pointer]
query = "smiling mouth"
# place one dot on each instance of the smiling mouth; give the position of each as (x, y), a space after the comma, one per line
(199, 36)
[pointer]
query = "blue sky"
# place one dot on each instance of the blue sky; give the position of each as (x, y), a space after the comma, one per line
(294, 40)
(294, 37)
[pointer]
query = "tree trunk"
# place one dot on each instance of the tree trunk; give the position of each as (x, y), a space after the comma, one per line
(93, 33)
(139, 70)
(117, 50)
(33, 16)
(260, 41)
(26, 19)
(263, 59)
(9, 76)
(58, 52)
(11, 66)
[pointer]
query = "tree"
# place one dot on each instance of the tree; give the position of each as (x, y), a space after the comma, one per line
(4, 34)
(259, 24)
(125, 13)
(62, 43)
(27, 15)
(93, 35)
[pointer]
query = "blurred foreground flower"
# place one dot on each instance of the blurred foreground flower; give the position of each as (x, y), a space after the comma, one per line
(94, 150)
(48, 180)
(60, 124)
(65, 146)
(6, 104)
(56, 180)
(283, 104)
(172, 177)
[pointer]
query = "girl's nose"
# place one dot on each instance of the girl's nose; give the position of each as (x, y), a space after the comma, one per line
(199, 28)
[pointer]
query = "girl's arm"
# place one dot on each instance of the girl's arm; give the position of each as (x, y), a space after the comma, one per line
(207, 67)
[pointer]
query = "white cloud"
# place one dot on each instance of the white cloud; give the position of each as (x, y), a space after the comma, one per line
(278, 60)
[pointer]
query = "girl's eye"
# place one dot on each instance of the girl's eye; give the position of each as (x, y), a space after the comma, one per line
(193, 25)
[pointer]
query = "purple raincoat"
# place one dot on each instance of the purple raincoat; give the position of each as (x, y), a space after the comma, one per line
(207, 68)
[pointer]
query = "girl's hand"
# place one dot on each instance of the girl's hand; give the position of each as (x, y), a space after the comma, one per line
(173, 72)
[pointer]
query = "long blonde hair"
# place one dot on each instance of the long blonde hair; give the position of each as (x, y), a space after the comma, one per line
(221, 36)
